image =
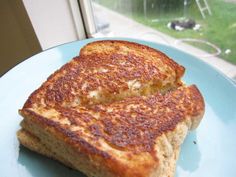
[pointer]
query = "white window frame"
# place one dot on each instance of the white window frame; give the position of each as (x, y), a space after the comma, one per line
(55, 26)
(88, 17)
(77, 19)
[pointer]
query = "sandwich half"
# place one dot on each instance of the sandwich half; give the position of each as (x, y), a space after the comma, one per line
(119, 109)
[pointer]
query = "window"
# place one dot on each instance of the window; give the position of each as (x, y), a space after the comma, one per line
(205, 28)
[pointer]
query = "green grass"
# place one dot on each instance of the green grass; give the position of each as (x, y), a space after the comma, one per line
(219, 29)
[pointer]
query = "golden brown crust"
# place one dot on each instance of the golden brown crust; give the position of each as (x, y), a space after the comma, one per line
(148, 116)
(117, 46)
(109, 75)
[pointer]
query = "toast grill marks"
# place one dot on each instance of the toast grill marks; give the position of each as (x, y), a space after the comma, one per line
(109, 75)
(129, 125)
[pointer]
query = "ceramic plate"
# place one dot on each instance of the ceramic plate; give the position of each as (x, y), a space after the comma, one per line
(208, 151)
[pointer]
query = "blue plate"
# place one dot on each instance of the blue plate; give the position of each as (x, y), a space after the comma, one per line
(208, 151)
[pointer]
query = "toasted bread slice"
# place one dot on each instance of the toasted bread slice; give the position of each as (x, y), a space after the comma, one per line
(118, 110)
(115, 49)
(109, 75)
(114, 139)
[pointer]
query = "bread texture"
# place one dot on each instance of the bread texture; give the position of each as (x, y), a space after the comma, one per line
(119, 109)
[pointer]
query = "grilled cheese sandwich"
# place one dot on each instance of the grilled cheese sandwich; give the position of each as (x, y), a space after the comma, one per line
(119, 109)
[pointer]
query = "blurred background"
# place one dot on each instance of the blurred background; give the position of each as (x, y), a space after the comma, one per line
(204, 28)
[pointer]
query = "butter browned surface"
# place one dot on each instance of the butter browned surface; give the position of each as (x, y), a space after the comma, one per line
(132, 124)
(121, 105)
(109, 75)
